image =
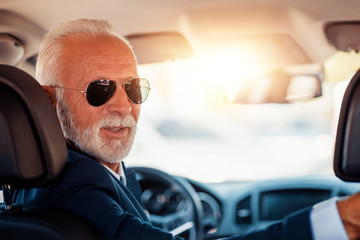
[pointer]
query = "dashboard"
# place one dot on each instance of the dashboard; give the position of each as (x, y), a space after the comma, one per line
(235, 207)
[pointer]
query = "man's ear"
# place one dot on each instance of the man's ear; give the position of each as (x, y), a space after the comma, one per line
(50, 91)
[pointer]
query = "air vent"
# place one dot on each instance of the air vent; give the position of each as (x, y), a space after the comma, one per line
(243, 211)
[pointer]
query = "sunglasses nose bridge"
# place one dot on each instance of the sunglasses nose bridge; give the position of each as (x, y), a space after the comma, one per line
(121, 87)
(120, 94)
(119, 103)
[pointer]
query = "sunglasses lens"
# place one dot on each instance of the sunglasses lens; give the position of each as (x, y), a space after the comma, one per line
(137, 90)
(100, 91)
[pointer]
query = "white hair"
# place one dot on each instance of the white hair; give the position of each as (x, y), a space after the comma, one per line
(49, 62)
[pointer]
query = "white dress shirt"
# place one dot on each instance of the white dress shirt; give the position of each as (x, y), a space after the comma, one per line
(326, 223)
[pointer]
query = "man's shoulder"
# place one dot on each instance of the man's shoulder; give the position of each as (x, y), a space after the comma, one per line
(83, 166)
(74, 156)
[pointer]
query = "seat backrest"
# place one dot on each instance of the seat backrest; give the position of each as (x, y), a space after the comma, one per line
(33, 152)
(347, 150)
(32, 147)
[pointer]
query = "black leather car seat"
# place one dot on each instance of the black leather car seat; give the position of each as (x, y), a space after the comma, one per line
(32, 153)
(347, 150)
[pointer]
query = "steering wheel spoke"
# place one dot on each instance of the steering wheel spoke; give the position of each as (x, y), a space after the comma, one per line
(172, 221)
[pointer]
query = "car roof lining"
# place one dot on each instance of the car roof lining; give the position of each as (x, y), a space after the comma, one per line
(229, 18)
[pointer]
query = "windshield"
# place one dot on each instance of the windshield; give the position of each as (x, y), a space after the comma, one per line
(186, 128)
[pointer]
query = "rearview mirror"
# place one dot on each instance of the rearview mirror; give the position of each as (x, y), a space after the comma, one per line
(275, 87)
(347, 145)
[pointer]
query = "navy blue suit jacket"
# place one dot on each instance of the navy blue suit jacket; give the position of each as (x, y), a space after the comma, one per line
(89, 190)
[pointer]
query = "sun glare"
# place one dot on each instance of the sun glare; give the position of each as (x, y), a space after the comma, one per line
(231, 69)
(211, 79)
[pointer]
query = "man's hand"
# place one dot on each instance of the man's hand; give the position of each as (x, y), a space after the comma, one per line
(349, 210)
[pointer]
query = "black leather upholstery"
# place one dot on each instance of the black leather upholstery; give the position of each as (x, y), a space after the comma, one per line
(32, 153)
(32, 148)
(41, 223)
(347, 150)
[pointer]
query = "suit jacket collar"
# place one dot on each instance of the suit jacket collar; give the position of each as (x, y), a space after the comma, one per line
(133, 192)
(132, 188)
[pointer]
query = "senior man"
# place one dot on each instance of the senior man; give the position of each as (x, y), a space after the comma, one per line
(90, 74)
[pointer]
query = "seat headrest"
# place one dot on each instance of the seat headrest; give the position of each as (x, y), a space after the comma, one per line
(347, 144)
(32, 146)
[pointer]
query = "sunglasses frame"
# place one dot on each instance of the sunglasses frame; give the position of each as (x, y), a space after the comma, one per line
(122, 83)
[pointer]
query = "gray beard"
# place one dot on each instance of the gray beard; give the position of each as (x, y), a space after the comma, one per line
(89, 140)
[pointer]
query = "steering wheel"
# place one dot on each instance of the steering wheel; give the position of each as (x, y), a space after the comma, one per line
(171, 201)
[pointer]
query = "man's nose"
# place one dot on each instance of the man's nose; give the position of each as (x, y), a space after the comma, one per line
(119, 102)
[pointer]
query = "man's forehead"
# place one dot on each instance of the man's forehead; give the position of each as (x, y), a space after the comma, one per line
(108, 64)
(95, 44)
(99, 53)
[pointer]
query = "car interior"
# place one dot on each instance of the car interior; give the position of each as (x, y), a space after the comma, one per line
(253, 111)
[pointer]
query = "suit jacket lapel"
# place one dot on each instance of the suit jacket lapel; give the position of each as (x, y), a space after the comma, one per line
(132, 183)
(131, 202)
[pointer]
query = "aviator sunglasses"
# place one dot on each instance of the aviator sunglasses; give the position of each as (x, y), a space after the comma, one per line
(100, 91)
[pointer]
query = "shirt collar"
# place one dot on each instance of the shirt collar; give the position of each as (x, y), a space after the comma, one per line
(120, 175)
